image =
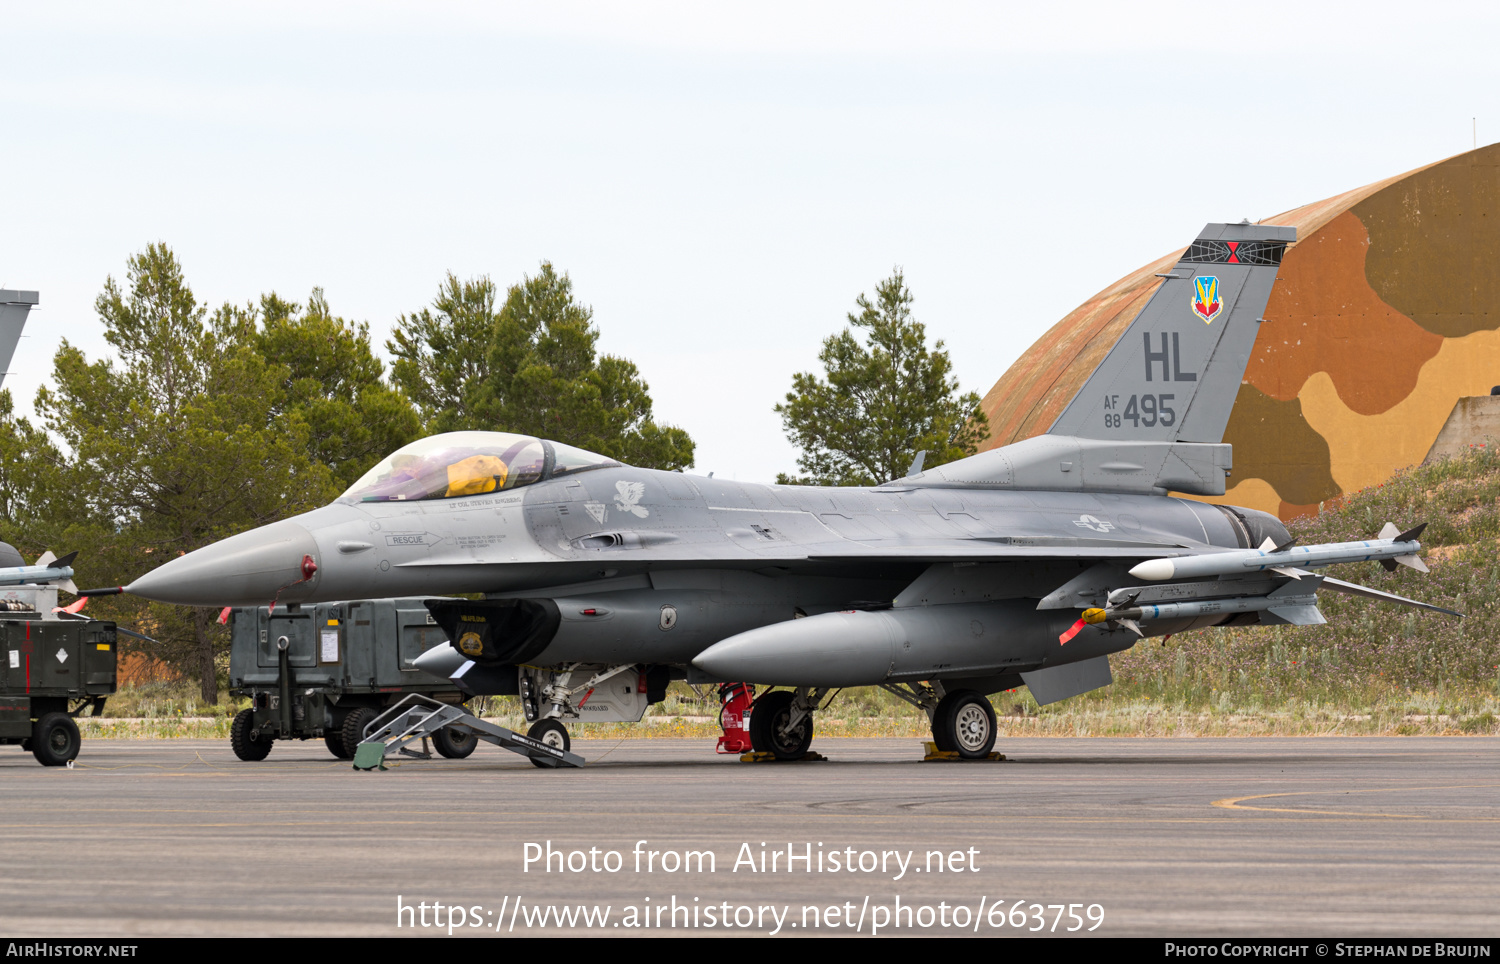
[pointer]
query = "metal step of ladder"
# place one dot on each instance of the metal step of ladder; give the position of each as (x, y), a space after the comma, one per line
(417, 717)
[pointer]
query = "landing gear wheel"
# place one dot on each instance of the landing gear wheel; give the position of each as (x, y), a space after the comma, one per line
(242, 738)
(967, 721)
(456, 744)
(942, 734)
(353, 732)
(54, 739)
(333, 738)
(552, 733)
(768, 732)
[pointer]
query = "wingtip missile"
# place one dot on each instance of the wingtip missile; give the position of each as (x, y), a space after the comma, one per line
(1393, 547)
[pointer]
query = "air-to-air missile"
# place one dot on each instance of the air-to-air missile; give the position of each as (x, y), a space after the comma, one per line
(48, 569)
(600, 581)
(1391, 548)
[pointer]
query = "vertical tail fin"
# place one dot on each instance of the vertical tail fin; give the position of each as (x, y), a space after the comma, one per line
(1174, 374)
(13, 308)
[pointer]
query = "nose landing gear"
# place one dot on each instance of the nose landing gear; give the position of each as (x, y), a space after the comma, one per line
(781, 722)
(552, 733)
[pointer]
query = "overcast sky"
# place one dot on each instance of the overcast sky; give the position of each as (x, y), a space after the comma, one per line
(720, 181)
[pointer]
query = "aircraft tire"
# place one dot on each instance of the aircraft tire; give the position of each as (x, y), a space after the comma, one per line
(242, 738)
(550, 732)
(768, 722)
(455, 744)
(353, 732)
(942, 732)
(333, 738)
(54, 739)
(967, 721)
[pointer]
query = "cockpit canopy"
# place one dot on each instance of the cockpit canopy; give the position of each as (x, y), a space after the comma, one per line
(469, 463)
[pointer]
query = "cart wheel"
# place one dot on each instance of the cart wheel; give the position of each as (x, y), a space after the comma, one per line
(333, 738)
(455, 744)
(552, 733)
(242, 737)
(354, 728)
(54, 739)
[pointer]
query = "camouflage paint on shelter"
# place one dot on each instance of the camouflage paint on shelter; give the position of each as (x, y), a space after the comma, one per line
(1383, 315)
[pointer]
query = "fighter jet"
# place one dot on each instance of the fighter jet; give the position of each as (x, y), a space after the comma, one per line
(1023, 565)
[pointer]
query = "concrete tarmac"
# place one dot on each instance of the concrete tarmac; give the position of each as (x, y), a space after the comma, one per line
(1316, 837)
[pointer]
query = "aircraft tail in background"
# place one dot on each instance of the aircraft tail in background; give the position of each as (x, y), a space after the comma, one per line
(14, 306)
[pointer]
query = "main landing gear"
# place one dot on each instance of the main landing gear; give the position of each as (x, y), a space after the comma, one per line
(963, 721)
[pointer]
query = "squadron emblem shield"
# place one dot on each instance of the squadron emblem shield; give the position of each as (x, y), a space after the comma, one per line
(1206, 301)
(470, 644)
(668, 618)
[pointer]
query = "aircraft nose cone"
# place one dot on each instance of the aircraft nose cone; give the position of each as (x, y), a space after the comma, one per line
(247, 569)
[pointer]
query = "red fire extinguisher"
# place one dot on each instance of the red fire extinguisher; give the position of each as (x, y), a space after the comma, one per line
(734, 703)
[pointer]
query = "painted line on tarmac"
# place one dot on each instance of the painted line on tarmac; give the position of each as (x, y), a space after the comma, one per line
(1236, 803)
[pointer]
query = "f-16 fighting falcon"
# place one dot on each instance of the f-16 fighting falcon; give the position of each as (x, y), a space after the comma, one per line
(1027, 564)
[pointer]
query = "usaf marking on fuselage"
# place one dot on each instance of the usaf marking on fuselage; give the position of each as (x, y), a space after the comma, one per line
(1026, 564)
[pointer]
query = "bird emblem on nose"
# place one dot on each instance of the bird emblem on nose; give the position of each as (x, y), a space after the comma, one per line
(628, 496)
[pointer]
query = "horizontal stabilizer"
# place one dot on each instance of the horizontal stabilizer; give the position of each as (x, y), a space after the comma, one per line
(1349, 588)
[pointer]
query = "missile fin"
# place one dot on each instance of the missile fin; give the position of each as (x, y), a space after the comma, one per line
(46, 559)
(1409, 534)
(1288, 571)
(67, 586)
(1293, 616)
(66, 561)
(1133, 626)
(1388, 531)
(1298, 588)
(1412, 562)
